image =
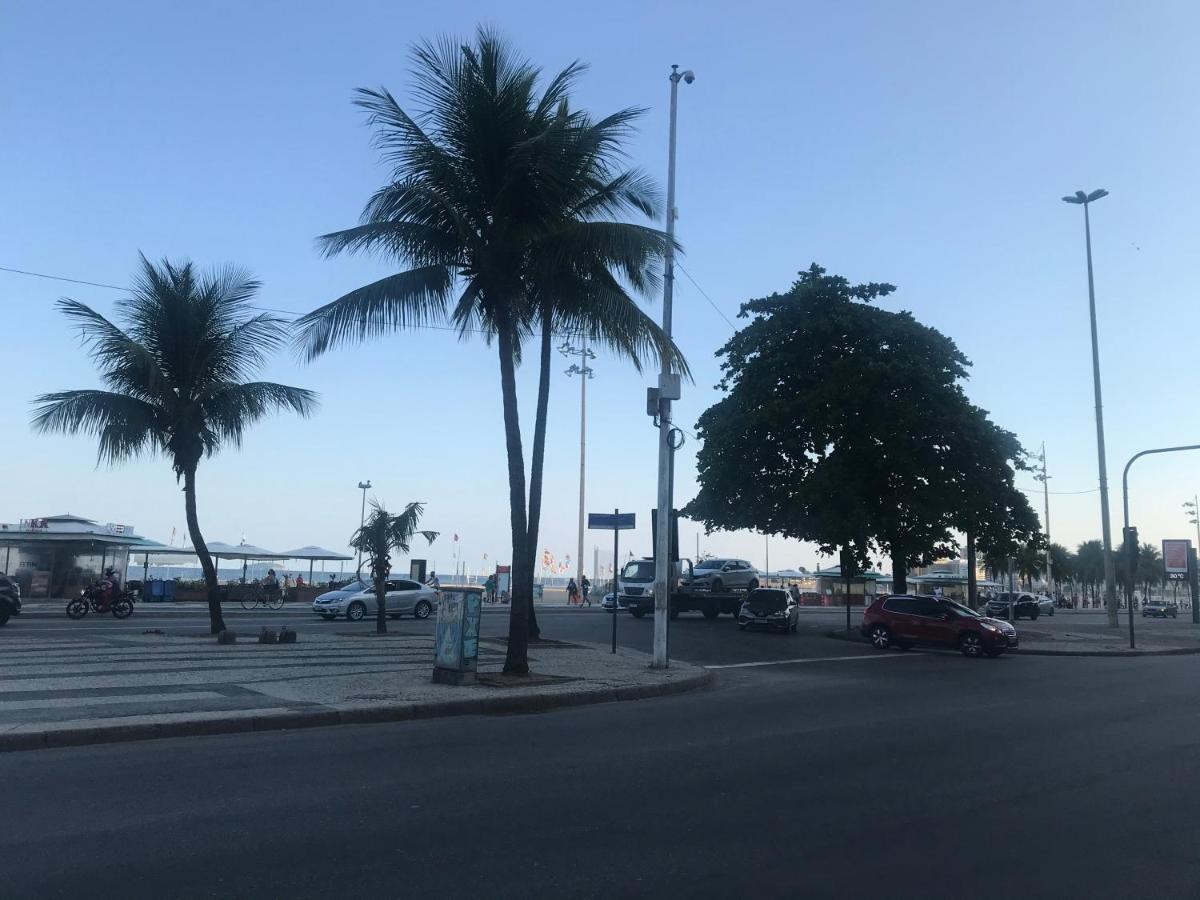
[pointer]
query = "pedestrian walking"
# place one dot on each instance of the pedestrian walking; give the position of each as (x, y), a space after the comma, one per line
(587, 589)
(489, 589)
(572, 592)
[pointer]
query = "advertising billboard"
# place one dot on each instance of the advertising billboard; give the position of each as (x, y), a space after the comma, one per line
(1175, 557)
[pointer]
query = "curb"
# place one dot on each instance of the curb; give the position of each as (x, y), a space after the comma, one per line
(326, 716)
(1024, 651)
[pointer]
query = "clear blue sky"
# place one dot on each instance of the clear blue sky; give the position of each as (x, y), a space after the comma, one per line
(922, 143)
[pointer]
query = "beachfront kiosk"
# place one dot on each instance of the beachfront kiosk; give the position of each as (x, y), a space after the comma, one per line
(56, 556)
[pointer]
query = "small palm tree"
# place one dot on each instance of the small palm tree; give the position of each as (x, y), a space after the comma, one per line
(500, 211)
(377, 538)
(176, 378)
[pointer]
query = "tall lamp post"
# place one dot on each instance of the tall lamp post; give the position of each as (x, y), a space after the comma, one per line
(363, 486)
(1110, 591)
(585, 373)
(1045, 480)
(668, 390)
(1193, 508)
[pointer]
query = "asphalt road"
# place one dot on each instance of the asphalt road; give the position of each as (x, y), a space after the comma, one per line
(845, 774)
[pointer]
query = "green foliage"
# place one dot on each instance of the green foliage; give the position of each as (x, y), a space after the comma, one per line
(845, 424)
(1089, 562)
(1062, 563)
(176, 378)
(503, 209)
(177, 373)
(378, 537)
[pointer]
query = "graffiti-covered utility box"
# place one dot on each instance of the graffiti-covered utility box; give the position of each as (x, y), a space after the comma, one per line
(457, 635)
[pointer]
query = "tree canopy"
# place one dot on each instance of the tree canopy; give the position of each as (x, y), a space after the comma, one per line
(847, 425)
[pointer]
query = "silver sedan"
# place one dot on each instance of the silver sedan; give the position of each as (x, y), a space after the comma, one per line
(404, 597)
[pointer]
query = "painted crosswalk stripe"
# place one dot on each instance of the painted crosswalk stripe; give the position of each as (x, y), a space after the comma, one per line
(817, 659)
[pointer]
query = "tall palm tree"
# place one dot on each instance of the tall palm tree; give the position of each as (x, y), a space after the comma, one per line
(377, 538)
(501, 208)
(176, 378)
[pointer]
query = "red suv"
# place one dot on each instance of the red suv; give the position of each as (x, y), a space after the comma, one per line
(903, 620)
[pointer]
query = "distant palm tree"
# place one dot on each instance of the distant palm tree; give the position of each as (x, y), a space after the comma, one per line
(1089, 564)
(377, 538)
(176, 378)
(1062, 562)
(500, 207)
(1031, 562)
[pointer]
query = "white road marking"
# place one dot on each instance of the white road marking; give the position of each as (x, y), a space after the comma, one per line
(817, 659)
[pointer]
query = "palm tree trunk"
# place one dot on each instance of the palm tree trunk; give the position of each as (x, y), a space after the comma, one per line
(380, 605)
(516, 660)
(537, 464)
(216, 623)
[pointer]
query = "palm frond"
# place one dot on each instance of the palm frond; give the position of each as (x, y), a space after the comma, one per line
(125, 364)
(415, 297)
(233, 407)
(124, 426)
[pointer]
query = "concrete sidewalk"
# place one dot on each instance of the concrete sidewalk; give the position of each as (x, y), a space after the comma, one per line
(58, 692)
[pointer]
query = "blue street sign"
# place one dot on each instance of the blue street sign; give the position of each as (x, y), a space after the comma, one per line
(614, 521)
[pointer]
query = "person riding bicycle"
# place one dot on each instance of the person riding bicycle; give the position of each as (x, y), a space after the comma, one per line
(270, 584)
(433, 581)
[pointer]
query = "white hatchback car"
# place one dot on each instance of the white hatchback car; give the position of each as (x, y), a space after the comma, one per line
(403, 597)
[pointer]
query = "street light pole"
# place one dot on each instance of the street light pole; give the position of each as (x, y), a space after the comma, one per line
(585, 373)
(1045, 480)
(667, 391)
(1131, 552)
(363, 486)
(1110, 592)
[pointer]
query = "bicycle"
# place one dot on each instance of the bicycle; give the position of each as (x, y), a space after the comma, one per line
(260, 596)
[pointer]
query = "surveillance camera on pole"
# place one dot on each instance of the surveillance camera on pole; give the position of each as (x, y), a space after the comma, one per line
(668, 390)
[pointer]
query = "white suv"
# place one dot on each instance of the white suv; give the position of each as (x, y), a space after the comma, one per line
(720, 575)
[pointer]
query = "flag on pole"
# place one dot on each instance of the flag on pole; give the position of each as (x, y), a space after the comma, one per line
(456, 537)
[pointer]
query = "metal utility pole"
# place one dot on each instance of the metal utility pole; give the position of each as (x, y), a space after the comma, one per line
(668, 390)
(585, 373)
(1131, 537)
(1045, 480)
(1110, 590)
(1193, 508)
(767, 549)
(363, 486)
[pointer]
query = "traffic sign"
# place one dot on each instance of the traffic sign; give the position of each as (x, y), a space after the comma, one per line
(612, 521)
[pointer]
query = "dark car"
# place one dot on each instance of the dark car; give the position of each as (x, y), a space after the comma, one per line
(1159, 609)
(1025, 605)
(769, 608)
(10, 598)
(905, 620)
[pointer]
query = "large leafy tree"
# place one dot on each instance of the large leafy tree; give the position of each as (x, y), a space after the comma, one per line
(377, 538)
(502, 207)
(846, 424)
(176, 372)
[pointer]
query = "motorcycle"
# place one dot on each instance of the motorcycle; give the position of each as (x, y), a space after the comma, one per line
(91, 599)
